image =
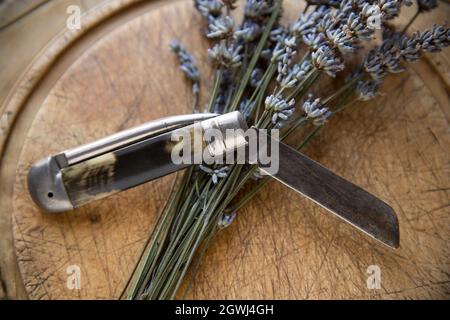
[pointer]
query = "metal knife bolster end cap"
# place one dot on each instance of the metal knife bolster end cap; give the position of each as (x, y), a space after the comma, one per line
(220, 135)
(46, 186)
(228, 121)
(228, 143)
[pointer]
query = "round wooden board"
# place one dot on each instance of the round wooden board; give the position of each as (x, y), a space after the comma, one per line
(120, 73)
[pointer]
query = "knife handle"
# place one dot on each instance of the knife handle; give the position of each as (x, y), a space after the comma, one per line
(124, 160)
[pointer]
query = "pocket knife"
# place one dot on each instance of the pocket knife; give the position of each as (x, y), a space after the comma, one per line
(129, 158)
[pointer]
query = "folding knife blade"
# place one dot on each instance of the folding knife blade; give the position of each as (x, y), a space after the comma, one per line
(339, 196)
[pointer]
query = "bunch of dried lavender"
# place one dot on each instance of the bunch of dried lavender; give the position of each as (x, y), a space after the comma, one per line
(258, 70)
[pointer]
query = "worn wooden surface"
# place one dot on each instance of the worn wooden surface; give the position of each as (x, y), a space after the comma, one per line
(26, 28)
(281, 246)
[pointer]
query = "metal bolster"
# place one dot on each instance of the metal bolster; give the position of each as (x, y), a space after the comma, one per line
(46, 186)
(229, 143)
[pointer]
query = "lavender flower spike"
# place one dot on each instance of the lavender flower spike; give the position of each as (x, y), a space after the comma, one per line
(434, 40)
(187, 65)
(300, 71)
(226, 220)
(324, 59)
(209, 8)
(281, 109)
(248, 32)
(316, 111)
(228, 57)
(367, 90)
(221, 27)
(256, 9)
(427, 5)
(231, 4)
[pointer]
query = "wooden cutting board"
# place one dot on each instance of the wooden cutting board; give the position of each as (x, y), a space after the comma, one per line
(119, 72)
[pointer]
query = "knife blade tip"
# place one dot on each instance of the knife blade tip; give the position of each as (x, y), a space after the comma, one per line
(390, 232)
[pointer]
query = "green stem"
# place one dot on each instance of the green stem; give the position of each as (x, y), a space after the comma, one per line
(262, 86)
(154, 248)
(195, 102)
(349, 85)
(215, 91)
(166, 270)
(309, 137)
(344, 106)
(210, 208)
(188, 251)
(173, 251)
(300, 121)
(306, 8)
(249, 195)
(255, 57)
(241, 183)
(196, 267)
(259, 98)
(411, 21)
(304, 85)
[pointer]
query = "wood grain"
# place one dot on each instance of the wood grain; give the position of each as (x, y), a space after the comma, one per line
(28, 27)
(24, 39)
(121, 73)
